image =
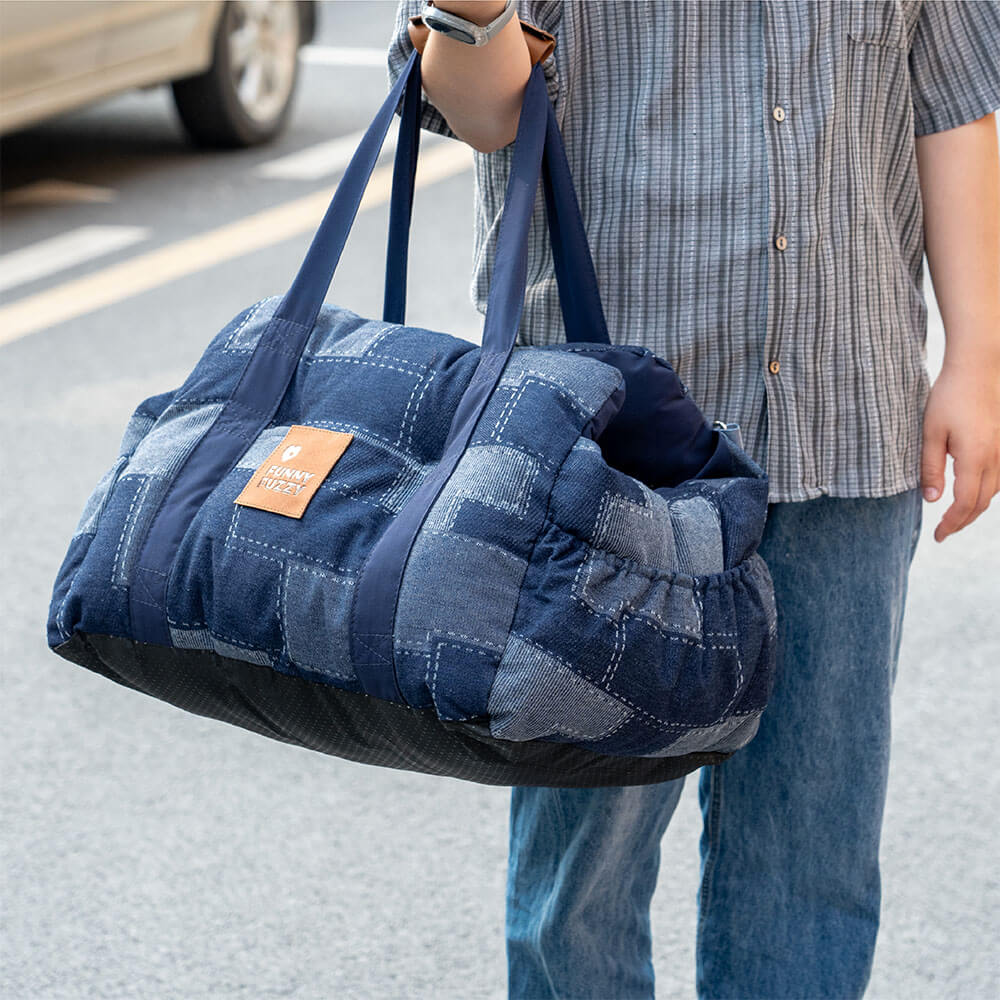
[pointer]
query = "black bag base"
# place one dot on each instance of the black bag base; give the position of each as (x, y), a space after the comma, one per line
(356, 726)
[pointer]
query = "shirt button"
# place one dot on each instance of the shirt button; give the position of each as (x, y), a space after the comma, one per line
(774, 367)
(779, 113)
(781, 243)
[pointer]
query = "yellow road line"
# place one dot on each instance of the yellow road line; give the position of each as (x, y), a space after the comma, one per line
(197, 253)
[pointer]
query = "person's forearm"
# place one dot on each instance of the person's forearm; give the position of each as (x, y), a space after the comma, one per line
(478, 89)
(959, 173)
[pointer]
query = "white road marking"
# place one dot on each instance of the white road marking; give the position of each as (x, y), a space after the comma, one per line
(65, 250)
(328, 158)
(317, 161)
(198, 253)
(334, 55)
(52, 191)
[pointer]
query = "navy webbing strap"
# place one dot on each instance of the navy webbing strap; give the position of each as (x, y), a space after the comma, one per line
(579, 299)
(401, 204)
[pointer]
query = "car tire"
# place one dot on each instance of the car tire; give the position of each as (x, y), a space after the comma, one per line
(244, 98)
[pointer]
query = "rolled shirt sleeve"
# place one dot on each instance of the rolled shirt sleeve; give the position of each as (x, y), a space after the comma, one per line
(400, 49)
(954, 63)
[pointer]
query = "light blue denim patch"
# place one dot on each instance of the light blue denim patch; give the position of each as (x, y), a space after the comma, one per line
(726, 736)
(535, 695)
(142, 493)
(634, 530)
(697, 536)
(493, 475)
(266, 442)
(585, 388)
(315, 614)
(162, 451)
(363, 339)
(246, 335)
(479, 609)
(98, 498)
(204, 639)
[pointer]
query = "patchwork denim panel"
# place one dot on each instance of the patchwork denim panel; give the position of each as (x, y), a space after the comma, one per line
(583, 482)
(370, 391)
(666, 646)
(513, 417)
(348, 335)
(742, 505)
(66, 604)
(583, 385)
(203, 639)
(142, 420)
(244, 605)
(162, 451)
(497, 477)
(615, 590)
(258, 533)
(457, 588)
(143, 494)
(315, 613)
(346, 351)
(243, 336)
(640, 531)
(95, 502)
(537, 695)
(406, 483)
(730, 735)
(458, 676)
(698, 536)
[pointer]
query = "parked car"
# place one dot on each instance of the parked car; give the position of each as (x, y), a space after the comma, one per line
(232, 66)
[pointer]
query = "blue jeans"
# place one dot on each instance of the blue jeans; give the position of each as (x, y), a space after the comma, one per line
(790, 888)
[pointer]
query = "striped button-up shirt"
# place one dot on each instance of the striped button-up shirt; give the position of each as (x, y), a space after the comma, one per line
(748, 182)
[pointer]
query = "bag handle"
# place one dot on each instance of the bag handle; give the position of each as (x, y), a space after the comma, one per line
(583, 314)
(579, 299)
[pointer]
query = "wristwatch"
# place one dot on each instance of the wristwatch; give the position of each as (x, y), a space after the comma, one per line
(461, 29)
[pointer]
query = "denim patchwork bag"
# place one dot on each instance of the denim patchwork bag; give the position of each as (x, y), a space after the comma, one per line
(530, 566)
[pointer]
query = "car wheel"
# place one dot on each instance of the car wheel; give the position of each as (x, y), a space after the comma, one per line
(245, 96)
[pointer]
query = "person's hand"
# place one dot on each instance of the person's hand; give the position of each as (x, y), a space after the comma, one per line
(962, 418)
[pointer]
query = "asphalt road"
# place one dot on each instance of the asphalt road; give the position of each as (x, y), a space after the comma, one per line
(149, 853)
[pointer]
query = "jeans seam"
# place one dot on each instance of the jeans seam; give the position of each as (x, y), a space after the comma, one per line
(539, 923)
(557, 807)
(707, 880)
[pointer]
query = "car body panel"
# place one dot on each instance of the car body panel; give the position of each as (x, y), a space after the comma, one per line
(60, 55)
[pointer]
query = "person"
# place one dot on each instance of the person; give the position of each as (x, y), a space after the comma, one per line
(760, 183)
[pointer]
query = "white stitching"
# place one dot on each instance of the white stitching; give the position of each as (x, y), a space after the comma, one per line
(412, 370)
(127, 528)
(228, 346)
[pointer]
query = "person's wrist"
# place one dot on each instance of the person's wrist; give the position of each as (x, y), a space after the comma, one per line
(480, 12)
(973, 347)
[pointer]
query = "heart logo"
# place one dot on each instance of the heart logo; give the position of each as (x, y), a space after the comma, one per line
(290, 452)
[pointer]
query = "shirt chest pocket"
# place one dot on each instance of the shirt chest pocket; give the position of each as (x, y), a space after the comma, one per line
(875, 22)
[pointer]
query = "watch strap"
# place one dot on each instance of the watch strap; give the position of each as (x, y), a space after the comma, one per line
(540, 43)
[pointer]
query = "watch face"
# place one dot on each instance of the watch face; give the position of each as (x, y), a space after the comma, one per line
(449, 29)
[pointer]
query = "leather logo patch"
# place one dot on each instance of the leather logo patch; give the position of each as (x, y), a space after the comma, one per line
(290, 476)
